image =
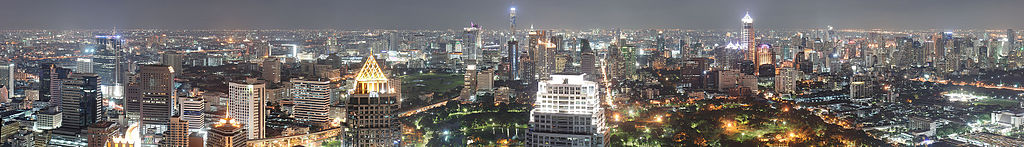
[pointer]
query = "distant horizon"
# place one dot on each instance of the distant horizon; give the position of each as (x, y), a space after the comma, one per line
(454, 14)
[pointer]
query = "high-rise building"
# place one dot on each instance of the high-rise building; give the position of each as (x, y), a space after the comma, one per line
(312, 99)
(747, 42)
(472, 36)
(272, 70)
(513, 48)
(150, 97)
(372, 108)
(248, 106)
(50, 78)
(588, 60)
(176, 134)
(192, 111)
(84, 65)
(226, 132)
(109, 60)
(567, 112)
(7, 77)
(82, 103)
(173, 59)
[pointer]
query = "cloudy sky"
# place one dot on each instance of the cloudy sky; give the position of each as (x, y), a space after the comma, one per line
(452, 14)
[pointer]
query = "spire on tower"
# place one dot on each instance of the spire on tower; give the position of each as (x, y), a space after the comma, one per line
(747, 19)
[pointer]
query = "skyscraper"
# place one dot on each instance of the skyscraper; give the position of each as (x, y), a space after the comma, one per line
(248, 106)
(192, 111)
(588, 59)
(567, 112)
(226, 132)
(50, 78)
(372, 108)
(312, 99)
(7, 77)
(150, 97)
(472, 36)
(173, 59)
(747, 42)
(513, 47)
(272, 70)
(82, 103)
(109, 59)
(81, 107)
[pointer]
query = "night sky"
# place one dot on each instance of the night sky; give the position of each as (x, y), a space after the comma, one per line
(493, 14)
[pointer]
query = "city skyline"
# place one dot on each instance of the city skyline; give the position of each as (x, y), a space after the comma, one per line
(455, 14)
(539, 73)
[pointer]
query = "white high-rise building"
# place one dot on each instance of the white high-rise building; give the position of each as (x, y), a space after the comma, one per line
(192, 111)
(247, 104)
(567, 112)
(312, 99)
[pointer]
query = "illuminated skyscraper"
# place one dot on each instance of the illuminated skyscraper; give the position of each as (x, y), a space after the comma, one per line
(567, 112)
(472, 37)
(513, 48)
(248, 106)
(747, 42)
(109, 59)
(372, 108)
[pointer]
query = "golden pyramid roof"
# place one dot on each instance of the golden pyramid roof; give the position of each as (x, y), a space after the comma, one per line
(371, 72)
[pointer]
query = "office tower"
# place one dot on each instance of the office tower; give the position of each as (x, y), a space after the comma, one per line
(1011, 37)
(50, 78)
(567, 112)
(372, 108)
(7, 77)
(248, 106)
(747, 42)
(485, 79)
(176, 134)
(469, 84)
(100, 132)
(513, 48)
(226, 132)
(660, 42)
(109, 60)
(587, 60)
(192, 111)
(472, 37)
(150, 97)
(272, 70)
(82, 103)
(312, 99)
(173, 59)
(785, 82)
